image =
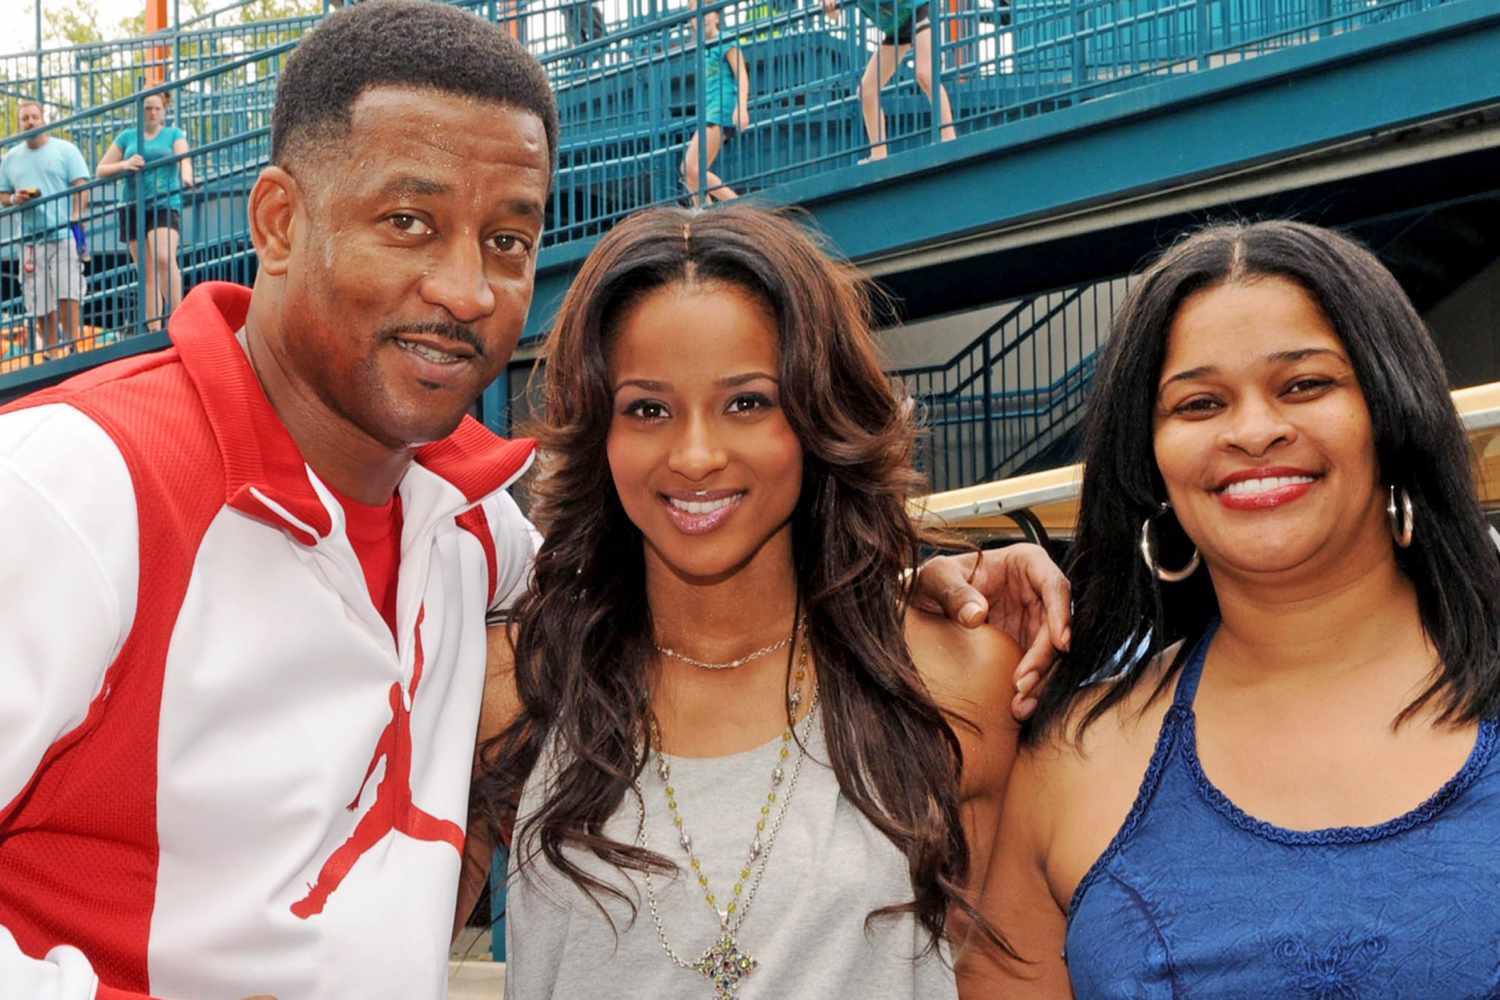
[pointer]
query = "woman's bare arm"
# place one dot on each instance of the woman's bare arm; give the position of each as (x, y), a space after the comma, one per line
(185, 165)
(1018, 898)
(971, 673)
(499, 707)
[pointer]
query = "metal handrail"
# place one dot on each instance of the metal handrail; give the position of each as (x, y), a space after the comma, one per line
(82, 117)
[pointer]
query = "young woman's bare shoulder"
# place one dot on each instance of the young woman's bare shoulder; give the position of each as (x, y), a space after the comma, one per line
(970, 671)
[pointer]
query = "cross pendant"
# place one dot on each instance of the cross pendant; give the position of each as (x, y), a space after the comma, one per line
(724, 965)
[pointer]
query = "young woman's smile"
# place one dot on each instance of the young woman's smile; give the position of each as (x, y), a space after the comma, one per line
(701, 453)
(701, 511)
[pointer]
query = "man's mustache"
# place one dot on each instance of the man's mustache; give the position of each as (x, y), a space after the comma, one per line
(449, 331)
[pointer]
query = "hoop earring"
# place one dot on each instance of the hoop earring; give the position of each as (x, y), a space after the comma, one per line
(1400, 514)
(1149, 555)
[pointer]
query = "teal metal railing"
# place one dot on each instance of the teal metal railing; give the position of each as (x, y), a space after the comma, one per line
(629, 81)
(72, 78)
(48, 311)
(1015, 391)
(630, 97)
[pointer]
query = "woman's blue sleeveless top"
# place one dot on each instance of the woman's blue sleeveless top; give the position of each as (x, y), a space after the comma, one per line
(1194, 898)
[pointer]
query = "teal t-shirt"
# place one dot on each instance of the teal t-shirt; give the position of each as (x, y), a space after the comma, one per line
(51, 169)
(721, 84)
(164, 181)
(890, 16)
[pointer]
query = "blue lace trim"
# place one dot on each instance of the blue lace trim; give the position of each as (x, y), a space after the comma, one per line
(1479, 757)
(1171, 726)
(1178, 712)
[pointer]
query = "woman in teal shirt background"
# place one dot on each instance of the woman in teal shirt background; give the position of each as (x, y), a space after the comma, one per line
(726, 98)
(160, 203)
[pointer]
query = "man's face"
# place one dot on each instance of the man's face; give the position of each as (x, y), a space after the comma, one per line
(412, 259)
(30, 116)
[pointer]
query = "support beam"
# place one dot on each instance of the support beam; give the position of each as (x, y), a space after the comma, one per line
(156, 20)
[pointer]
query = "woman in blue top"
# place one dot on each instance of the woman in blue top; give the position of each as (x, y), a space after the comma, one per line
(1268, 766)
(161, 200)
(726, 95)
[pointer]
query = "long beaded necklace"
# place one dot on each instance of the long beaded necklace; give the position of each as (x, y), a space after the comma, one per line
(724, 964)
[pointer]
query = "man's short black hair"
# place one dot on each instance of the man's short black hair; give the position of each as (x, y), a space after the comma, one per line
(401, 43)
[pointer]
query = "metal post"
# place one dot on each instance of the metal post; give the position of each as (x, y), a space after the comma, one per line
(702, 103)
(494, 405)
(935, 52)
(142, 307)
(39, 96)
(1204, 39)
(1076, 49)
(176, 39)
(499, 867)
(988, 407)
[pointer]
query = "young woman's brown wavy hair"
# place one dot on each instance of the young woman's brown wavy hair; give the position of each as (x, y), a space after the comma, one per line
(584, 630)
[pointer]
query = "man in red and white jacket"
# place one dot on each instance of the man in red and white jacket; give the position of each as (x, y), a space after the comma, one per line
(245, 579)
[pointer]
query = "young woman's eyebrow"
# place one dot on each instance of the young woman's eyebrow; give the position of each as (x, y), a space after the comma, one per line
(732, 381)
(650, 385)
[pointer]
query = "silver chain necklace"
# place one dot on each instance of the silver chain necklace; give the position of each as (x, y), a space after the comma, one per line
(723, 963)
(731, 664)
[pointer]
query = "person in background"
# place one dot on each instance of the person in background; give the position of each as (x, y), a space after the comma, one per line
(905, 27)
(52, 279)
(583, 22)
(153, 202)
(1270, 765)
(726, 97)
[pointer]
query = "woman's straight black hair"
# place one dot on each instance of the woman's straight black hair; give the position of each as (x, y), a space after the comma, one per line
(1420, 447)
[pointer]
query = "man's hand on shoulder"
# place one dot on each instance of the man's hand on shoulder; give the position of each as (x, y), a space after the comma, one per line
(1018, 589)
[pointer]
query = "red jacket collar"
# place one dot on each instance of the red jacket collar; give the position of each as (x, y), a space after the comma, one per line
(263, 468)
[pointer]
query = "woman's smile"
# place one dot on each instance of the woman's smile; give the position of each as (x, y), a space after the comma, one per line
(699, 513)
(1263, 489)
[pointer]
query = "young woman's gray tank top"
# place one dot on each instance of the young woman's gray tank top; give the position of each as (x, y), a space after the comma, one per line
(828, 869)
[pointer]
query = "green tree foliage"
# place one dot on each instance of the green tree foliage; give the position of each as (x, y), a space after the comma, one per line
(88, 61)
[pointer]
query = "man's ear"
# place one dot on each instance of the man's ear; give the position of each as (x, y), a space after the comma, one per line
(276, 201)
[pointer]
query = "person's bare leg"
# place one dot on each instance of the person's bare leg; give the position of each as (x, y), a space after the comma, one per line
(46, 336)
(690, 170)
(72, 325)
(717, 189)
(152, 308)
(146, 304)
(167, 262)
(924, 80)
(878, 73)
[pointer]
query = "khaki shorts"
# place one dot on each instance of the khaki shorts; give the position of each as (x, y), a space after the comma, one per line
(56, 274)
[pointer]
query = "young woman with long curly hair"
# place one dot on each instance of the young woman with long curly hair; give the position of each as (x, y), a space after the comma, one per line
(754, 768)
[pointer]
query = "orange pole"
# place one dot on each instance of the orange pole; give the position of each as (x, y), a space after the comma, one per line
(156, 20)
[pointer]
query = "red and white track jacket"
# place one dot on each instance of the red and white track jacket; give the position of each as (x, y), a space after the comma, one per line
(219, 775)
